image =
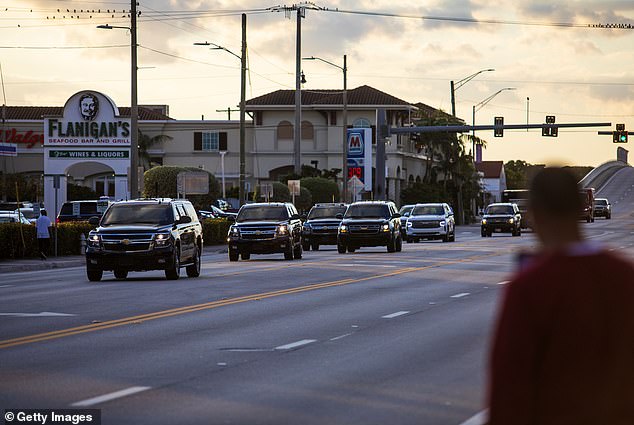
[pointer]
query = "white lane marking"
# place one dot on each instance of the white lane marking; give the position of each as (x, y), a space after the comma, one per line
(108, 397)
(42, 314)
(393, 315)
(340, 336)
(296, 344)
(9, 286)
(504, 282)
(460, 295)
(480, 418)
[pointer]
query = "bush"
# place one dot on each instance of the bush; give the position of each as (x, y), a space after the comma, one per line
(19, 241)
(160, 182)
(322, 190)
(281, 193)
(304, 201)
(215, 231)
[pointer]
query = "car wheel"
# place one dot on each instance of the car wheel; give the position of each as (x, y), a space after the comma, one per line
(94, 275)
(245, 255)
(416, 240)
(315, 247)
(391, 245)
(297, 253)
(588, 219)
(341, 249)
(193, 270)
(592, 219)
(483, 234)
(120, 274)
(288, 254)
(399, 244)
(233, 255)
(490, 233)
(174, 270)
(445, 237)
(306, 246)
(351, 249)
(609, 216)
(453, 235)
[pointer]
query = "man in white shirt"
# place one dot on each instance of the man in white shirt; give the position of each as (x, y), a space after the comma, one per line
(42, 226)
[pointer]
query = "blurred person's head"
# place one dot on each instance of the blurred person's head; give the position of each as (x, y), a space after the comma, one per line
(555, 205)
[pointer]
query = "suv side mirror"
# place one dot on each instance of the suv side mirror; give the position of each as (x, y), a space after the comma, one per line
(396, 215)
(295, 217)
(184, 220)
(93, 221)
(339, 216)
(231, 218)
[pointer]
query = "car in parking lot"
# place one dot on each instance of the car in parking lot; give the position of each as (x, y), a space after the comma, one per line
(13, 217)
(602, 208)
(501, 218)
(322, 225)
(266, 228)
(82, 210)
(145, 234)
(370, 223)
(431, 221)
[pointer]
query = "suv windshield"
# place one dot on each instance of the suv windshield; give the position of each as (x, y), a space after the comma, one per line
(138, 214)
(500, 209)
(429, 210)
(405, 210)
(601, 202)
(325, 212)
(368, 211)
(262, 213)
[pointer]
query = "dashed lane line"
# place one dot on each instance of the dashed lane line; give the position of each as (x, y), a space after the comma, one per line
(109, 397)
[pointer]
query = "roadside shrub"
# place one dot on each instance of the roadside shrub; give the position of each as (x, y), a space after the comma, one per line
(20, 241)
(215, 231)
(160, 182)
(322, 190)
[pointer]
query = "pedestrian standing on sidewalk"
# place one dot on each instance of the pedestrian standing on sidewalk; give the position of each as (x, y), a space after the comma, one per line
(42, 226)
(563, 351)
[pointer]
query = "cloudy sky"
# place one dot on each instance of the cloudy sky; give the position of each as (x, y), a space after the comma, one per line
(411, 49)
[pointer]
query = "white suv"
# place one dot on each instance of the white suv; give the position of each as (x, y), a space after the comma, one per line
(431, 221)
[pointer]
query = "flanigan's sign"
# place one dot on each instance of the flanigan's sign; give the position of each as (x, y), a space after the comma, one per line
(90, 119)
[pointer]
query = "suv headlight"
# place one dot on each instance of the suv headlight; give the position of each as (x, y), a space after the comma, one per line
(385, 227)
(161, 239)
(484, 221)
(343, 228)
(94, 240)
(234, 232)
(511, 220)
(307, 227)
(282, 229)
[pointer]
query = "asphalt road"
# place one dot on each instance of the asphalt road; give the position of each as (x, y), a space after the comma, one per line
(362, 338)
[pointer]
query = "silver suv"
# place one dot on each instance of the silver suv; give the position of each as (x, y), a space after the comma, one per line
(431, 221)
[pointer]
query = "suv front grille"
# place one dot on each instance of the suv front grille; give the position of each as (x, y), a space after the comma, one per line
(364, 229)
(425, 224)
(258, 232)
(121, 242)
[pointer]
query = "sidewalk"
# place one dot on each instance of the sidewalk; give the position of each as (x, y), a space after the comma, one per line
(32, 264)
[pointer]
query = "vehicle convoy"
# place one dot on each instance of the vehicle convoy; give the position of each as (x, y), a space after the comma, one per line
(145, 234)
(370, 223)
(602, 208)
(501, 218)
(587, 202)
(321, 225)
(519, 197)
(266, 228)
(431, 221)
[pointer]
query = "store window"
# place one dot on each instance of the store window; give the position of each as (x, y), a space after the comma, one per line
(211, 141)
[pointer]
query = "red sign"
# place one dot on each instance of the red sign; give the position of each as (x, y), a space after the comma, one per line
(28, 138)
(355, 172)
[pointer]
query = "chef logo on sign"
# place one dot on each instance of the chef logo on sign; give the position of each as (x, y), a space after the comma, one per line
(88, 106)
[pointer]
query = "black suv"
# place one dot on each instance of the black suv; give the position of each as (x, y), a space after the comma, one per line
(266, 228)
(370, 223)
(81, 210)
(145, 234)
(502, 217)
(321, 225)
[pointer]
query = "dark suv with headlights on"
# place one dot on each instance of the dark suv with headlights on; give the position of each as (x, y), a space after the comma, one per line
(502, 217)
(266, 228)
(145, 234)
(370, 223)
(321, 225)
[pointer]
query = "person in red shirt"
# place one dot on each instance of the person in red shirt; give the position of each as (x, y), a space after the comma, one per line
(563, 350)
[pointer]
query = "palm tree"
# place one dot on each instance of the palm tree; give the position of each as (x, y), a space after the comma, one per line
(145, 143)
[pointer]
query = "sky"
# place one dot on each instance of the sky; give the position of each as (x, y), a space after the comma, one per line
(545, 51)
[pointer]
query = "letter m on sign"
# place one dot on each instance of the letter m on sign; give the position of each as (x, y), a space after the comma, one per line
(355, 144)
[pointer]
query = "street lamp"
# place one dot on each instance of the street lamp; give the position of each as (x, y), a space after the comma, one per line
(479, 106)
(134, 106)
(344, 170)
(461, 83)
(243, 73)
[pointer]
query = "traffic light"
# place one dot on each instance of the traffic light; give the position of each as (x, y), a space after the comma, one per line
(550, 131)
(620, 135)
(498, 132)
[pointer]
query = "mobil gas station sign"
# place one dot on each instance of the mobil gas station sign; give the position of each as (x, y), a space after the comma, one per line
(360, 155)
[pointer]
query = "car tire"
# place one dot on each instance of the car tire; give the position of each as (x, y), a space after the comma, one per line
(120, 274)
(233, 255)
(592, 219)
(351, 249)
(315, 247)
(297, 252)
(341, 249)
(609, 216)
(399, 244)
(391, 245)
(490, 233)
(94, 275)
(288, 254)
(245, 255)
(445, 237)
(453, 235)
(193, 270)
(173, 272)
(588, 219)
(306, 246)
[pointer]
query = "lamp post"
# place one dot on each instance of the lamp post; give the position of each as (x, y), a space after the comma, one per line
(344, 124)
(479, 106)
(461, 83)
(134, 106)
(243, 79)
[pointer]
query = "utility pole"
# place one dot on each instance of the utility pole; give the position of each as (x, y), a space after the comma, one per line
(243, 82)
(298, 94)
(228, 111)
(134, 109)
